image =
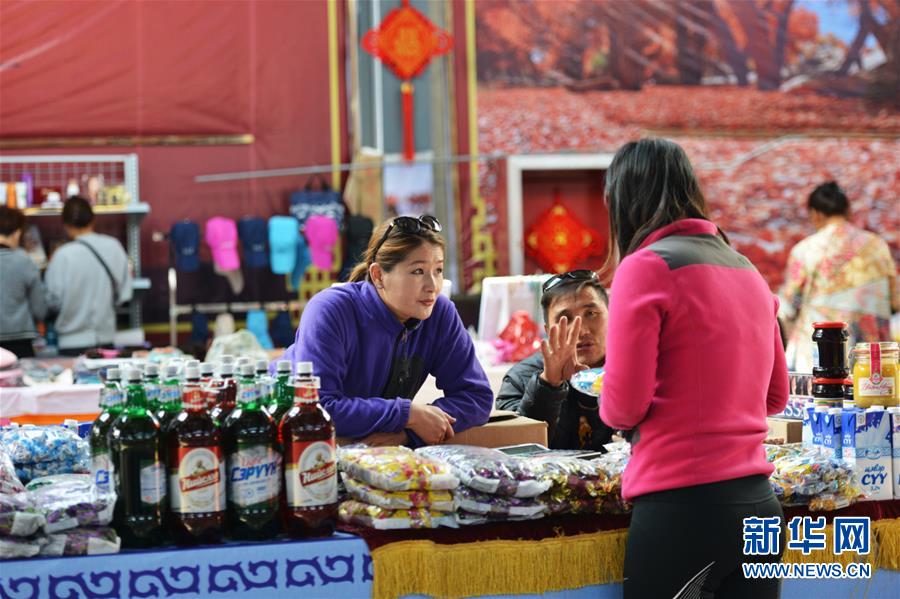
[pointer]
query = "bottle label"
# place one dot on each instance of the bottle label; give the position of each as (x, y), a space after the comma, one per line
(103, 470)
(198, 484)
(194, 398)
(247, 393)
(152, 392)
(153, 483)
(170, 394)
(112, 397)
(875, 386)
(312, 479)
(254, 475)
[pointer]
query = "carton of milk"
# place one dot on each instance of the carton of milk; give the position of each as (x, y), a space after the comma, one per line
(832, 440)
(806, 440)
(817, 421)
(895, 453)
(867, 449)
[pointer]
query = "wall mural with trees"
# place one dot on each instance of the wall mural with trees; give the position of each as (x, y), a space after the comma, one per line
(769, 97)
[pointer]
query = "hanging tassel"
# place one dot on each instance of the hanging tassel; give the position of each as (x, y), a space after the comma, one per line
(409, 137)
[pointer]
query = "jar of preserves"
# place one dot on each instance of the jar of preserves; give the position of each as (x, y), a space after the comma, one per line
(830, 359)
(876, 376)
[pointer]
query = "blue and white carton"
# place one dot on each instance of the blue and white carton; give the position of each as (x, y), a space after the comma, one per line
(867, 449)
(806, 440)
(895, 453)
(832, 440)
(817, 421)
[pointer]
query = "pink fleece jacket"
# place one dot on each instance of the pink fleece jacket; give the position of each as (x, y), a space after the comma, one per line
(694, 361)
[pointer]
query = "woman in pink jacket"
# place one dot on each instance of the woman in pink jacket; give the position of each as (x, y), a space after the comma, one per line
(695, 364)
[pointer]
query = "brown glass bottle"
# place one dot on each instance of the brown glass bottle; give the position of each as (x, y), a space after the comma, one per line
(225, 393)
(306, 434)
(196, 470)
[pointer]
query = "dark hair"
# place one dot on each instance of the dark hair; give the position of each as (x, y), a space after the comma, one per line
(11, 220)
(570, 286)
(393, 250)
(829, 199)
(77, 212)
(649, 184)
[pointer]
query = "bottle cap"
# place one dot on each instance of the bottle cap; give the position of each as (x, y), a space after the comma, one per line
(247, 370)
(134, 375)
(151, 370)
(113, 374)
(284, 365)
(191, 372)
(207, 368)
(171, 371)
(226, 368)
(192, 363)
(304, 368)
(262, 365)
(226, 359)
(242, 360)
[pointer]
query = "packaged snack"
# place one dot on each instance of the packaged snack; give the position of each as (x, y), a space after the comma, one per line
(18, 515)
(17, 547)
(557, 505)
(372, 516)
(440, 501)
(9, 481)
(466, 518)
(813, 479)
(395, 469)
(489, 470)
(572, 476)
(83, 541)
(71, 500)
(45, 450)
(476, 502)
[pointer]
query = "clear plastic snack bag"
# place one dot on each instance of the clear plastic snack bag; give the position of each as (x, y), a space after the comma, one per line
(441, 501)
(373, 516)
(71, 500)
(98, 540)
(9, 481)
(502, 506)
(489, 470)
(45, 450)
(19, 547)
(395, 469)
(572, 476)
(18, 515)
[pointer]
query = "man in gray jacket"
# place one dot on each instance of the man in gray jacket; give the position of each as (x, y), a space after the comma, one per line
(86, 279)
(575, 317)
(22, 299)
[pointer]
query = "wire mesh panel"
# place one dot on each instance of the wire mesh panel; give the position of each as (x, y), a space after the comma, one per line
(114, 176)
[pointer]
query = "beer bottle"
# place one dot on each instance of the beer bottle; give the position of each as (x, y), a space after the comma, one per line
(169, 397)
(225, 392)
(310, 470)
(152, 386)
(265, 382)
(283, 391)
(112, 402)
(253, 472)
(141, 486)
(196, 469)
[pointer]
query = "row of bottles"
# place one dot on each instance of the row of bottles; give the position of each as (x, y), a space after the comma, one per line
(205, 456)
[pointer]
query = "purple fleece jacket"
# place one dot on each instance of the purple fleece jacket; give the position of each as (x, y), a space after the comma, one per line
(350, 336)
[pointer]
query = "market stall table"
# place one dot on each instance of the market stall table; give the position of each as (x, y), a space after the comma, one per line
(50, 403)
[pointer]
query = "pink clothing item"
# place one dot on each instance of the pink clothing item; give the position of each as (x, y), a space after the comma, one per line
(694, 361)
(222, 238)
(321, 234)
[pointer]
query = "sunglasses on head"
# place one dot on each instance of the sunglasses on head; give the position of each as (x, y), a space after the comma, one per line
(573, 275)
(410, 225)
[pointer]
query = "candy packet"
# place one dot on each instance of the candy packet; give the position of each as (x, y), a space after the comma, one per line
(441, 501)
(373, 516)
(9, 481)
(489, 470)
(476, 502)
(71, 500)
(18, 515)
(82, 541)
(395, 469)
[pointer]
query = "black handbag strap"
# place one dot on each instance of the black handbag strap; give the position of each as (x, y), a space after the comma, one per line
(112, 280)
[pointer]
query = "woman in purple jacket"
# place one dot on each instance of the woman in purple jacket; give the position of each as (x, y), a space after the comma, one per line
(694, 364)
(374, 341)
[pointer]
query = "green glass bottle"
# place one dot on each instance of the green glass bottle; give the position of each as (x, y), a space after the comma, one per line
(112, 403)
(253, 472)
(282, 392)
(169, 397)
(136, 450)
(152, 386)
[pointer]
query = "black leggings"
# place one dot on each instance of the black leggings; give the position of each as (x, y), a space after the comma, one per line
(675, 535)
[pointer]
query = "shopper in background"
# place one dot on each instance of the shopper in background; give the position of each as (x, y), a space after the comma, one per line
(575, 319)
(374, 341)
(839, 273)
(86, 279)
(695, 364)
(23, 299)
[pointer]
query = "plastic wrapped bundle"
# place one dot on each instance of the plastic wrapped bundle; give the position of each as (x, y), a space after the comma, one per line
(395, 469)
(557, 505)
(571, 476)
(773, 452)
(18, 547)
(82, 541)
(9, 481)
(45, 450)
(18, 515)
(373, 516)
(502, 506)
(812, 479)
(71, 500)
(441, 501)
(489, 470)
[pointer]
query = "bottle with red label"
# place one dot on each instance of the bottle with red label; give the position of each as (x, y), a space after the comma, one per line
(225, 392)
(136, 450)
(196, 469)
(306, 433)
(253, 471)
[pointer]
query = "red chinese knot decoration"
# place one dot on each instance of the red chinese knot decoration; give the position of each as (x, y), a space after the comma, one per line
(405, 42)
(559, 241)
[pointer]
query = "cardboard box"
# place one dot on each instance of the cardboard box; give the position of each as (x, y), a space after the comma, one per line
(504, 428)
(783, 428)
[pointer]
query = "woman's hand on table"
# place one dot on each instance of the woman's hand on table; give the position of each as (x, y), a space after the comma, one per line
(432, 424)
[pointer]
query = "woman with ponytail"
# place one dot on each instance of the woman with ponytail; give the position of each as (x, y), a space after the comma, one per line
(375, 340)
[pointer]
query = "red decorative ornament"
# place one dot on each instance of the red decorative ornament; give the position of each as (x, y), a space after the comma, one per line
(405, 42)
(559, 241)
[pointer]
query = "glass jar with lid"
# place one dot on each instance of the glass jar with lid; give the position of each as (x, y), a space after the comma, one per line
(876, 376)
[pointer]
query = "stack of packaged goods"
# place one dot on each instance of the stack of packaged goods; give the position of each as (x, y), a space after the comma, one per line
(45, 450)
(809, 478)
(395, 488)
(578, 486)
(494, 485)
